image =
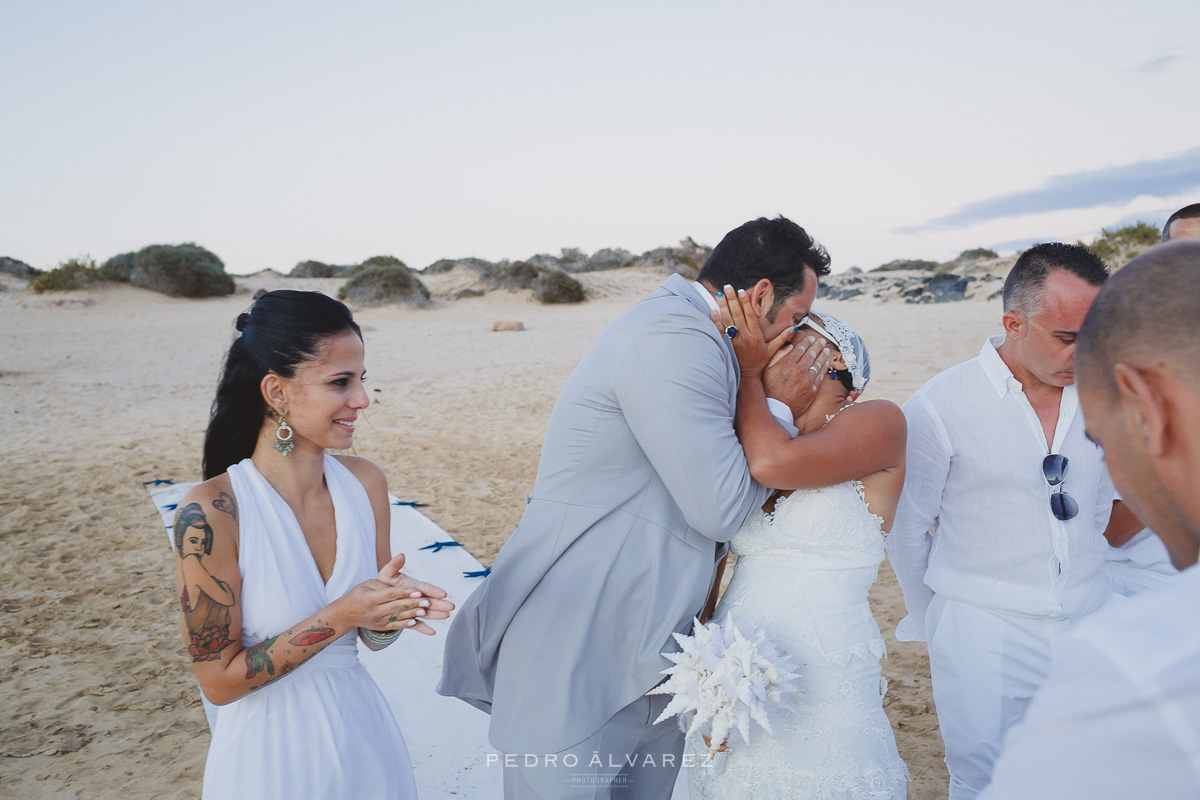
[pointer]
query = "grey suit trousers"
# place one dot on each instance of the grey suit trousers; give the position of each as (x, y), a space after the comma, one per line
(629, 758)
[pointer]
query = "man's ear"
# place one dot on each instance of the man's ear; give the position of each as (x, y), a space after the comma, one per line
(1144, 406)
(274, 392)
(762, 297)
(1014, 324)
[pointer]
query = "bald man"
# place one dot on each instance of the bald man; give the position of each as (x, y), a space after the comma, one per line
(1119, 715)
(1141, 562)
(1183, 224)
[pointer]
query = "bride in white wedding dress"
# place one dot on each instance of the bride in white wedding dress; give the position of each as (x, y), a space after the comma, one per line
(804, 569)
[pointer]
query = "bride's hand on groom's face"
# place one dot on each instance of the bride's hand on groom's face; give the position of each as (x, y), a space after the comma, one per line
(753, 353)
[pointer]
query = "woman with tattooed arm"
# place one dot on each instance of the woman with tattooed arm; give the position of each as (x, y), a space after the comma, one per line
(283, 565)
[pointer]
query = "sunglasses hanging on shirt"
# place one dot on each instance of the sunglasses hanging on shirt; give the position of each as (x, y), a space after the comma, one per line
(1054, 470)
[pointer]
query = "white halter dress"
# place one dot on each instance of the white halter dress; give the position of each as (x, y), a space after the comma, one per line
(802, 576)
(323, 730)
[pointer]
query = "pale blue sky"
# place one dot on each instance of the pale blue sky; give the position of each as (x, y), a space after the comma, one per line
(275, 132)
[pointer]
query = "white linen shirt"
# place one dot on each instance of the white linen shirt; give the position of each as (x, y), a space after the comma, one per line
(1119, 714)
(974, 474)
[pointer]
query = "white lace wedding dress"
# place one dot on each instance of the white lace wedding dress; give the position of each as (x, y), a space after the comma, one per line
(802, 575)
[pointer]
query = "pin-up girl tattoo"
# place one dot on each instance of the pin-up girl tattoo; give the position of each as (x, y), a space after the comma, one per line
(205, 600)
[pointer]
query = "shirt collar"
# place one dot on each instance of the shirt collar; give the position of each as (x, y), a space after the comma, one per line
(1003, 381)
(994, 368)
(708, 298)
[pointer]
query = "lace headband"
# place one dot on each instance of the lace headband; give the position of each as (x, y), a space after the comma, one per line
(854, 349)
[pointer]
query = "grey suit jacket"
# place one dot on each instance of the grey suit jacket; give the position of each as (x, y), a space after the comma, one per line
(641, 477)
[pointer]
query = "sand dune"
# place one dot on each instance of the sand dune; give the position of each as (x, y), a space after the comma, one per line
(109, 388)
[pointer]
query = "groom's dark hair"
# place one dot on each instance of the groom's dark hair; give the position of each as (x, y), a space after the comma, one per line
(776, 249)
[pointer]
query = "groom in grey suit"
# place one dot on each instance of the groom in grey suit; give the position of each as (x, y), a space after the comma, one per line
(640, 484)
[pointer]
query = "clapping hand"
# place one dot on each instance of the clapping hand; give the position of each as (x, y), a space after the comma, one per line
(427, 601)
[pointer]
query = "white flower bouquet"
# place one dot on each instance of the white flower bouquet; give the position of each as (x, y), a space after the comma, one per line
(728, 678)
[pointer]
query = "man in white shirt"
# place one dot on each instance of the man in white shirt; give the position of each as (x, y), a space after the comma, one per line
(1142, 562)
(1119, 715)
(1017, 499)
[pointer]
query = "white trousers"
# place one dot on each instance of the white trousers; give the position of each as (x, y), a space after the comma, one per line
(986, 666)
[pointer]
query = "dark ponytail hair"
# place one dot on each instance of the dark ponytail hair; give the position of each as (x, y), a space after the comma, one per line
(282, 329)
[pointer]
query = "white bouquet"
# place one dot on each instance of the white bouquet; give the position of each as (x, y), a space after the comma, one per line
(726, 677)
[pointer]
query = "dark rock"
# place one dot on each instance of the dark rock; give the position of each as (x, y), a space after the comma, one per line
(947, 287)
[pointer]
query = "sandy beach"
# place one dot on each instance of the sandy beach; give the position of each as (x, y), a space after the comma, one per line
(108, 388)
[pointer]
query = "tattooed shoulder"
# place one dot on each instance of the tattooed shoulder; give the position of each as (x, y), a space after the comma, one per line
(227, 503)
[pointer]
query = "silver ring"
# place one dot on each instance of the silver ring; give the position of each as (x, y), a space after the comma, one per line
(814, 369)
(731, 331)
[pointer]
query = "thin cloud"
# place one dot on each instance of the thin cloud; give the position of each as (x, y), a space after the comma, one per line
(1161, 177)
(1017, 245)
(1156, 65)
(1156, 217)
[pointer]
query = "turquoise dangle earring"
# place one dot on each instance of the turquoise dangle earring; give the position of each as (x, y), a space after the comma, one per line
(283, 437)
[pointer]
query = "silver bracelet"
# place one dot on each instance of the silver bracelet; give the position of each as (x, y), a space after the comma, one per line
(375, 637)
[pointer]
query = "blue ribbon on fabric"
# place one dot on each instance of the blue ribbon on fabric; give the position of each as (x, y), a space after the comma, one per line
(158, 481)
(437, 546)
(410, 503)
(170, 507)
(483, 573)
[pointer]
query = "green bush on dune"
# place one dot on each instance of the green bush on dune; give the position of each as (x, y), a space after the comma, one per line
(1118, 246)
(556, 286)
(318, 269)
(118, 268)
(13, 266)
(70, 275)
(384, 279)
(906, 263)
(184, 270)
(390, 262)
